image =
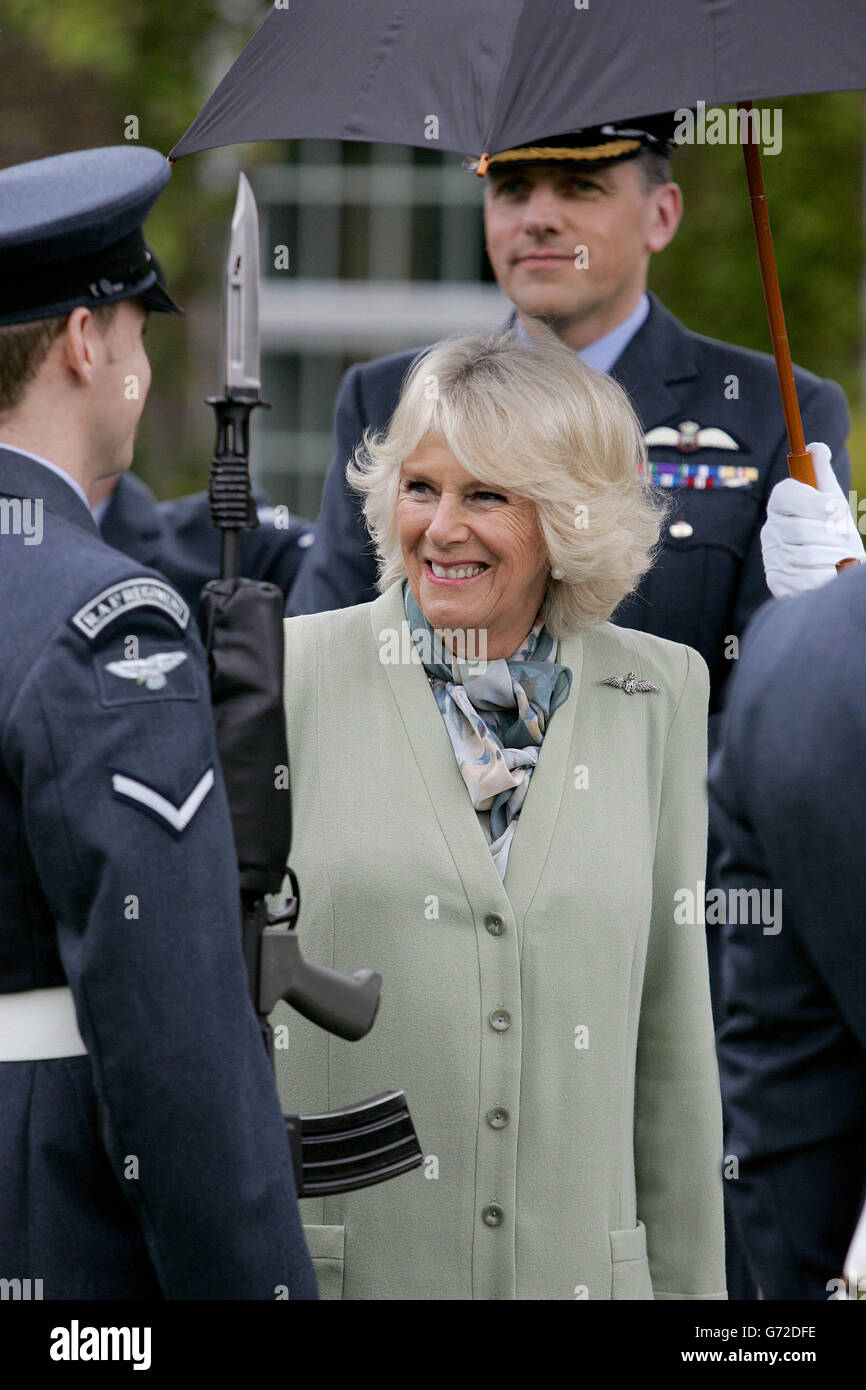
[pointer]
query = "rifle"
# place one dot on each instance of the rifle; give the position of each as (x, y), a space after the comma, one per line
(241, 621)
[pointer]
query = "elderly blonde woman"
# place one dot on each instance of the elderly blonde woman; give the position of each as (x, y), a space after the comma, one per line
(499, 795)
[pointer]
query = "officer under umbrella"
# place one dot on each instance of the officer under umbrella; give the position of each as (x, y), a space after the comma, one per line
(142, 1149)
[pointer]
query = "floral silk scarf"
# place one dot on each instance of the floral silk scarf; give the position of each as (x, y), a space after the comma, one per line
(496, 714)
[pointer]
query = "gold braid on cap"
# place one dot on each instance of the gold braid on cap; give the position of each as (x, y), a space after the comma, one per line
(612, 149)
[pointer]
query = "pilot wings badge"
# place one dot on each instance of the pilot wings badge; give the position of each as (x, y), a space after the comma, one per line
(630, 684)
(150, 671)
(688, 437)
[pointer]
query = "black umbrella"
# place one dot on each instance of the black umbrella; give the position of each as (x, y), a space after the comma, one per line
(474, 77)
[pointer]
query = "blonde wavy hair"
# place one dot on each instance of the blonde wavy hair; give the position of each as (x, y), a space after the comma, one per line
(527, 417)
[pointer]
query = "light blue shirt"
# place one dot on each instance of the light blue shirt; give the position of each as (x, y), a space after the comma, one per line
(46, 463)
(606, 350)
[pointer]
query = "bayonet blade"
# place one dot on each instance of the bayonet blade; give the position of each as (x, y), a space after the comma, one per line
(242, 297)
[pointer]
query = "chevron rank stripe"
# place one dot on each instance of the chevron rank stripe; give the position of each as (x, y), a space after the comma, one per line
(176, 818)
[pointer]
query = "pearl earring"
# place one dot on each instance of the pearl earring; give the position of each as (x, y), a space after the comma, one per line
(557, 574)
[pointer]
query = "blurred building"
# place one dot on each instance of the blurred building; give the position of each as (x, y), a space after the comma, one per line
(366, 250)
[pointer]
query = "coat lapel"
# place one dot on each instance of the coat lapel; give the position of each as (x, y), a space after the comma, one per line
(659, 355)
(532, 839)
(434, 757)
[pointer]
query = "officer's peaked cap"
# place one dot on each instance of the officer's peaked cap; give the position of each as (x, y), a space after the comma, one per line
(599, 145)
(70, 232)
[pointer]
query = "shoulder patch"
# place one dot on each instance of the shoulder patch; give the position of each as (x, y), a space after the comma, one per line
(129, 594)
(159, 670)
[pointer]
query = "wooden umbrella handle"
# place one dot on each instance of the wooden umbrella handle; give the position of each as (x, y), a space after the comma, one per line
(800, 464)
(799, 459)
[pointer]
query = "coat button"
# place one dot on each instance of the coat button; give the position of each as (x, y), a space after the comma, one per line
(498, 1117)
(681, 529)
(493, 1214)
(494, 923)
(500, 1019)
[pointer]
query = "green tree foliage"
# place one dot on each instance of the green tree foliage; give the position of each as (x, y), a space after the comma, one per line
(155, 55)
(710, 276)
(83, 68)
(75, 71)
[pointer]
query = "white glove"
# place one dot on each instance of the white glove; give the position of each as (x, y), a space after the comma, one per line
(808, 531)
(855, 1262)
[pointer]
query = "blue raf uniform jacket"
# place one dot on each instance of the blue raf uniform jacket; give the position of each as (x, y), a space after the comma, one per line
(178, 539)
(705, 584)
(156, 1165)
(788, 797)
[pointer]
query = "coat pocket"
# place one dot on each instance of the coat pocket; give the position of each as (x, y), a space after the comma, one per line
(630, 1276)
(326, 1246)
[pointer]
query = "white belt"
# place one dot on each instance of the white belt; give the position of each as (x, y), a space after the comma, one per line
(37, 1024)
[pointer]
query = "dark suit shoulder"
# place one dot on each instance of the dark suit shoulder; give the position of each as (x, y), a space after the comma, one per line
(71, 562)
(717, 353)
(757, 364)
(829, 622)
(801, 660)
(380, 380)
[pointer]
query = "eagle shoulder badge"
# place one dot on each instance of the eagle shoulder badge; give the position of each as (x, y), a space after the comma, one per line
(150, 671)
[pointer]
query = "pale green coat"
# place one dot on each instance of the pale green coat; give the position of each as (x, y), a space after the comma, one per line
(608, 1170)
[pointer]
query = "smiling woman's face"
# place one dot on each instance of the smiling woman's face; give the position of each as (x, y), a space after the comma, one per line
(475, 558)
